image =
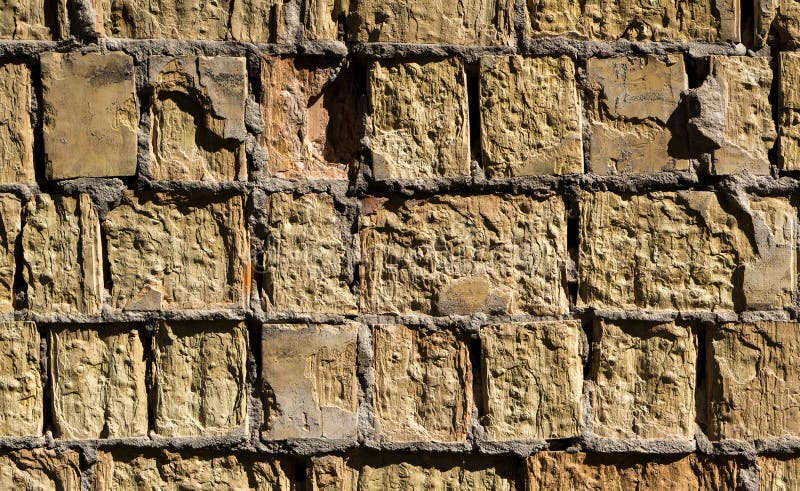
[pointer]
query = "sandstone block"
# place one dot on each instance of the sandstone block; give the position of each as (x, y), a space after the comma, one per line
(779, 472)
(464, 254)
(418, 122)
(644, 380)
(33, 20)
(94, 135)
(305, 257)
(98, 382)
(62, 252)
(330, 473)
(532, 380)
(311, 117)
(200, 371)
(789, 110)
(530, 116)
(782, 17)
(21, 400)
(10, 228)
(198, 130)
(40, 468)
(310, 383)
(685, 251)
(176, 252)
(632, 105)
(16, 129)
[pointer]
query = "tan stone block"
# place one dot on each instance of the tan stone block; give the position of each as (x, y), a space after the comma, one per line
(38, 20)
(423, 385)
(464, 254)
(176, 252)
(21, 399)
(10, 228)
(40, 468)
(200, 372)
(94, 134)
(563, 471)
(782, 17)
(418, 124)
(62, 252)
(330, 473)
(685, 251)
(532, 380)
(197, 117)
(779, 472)
(310, 383)
(789, 110)
(16, 129)
(305, 256)
(530, 116)
(312, 119)
(98, 382)
(632, 105)
(321, 18)
(643, 380)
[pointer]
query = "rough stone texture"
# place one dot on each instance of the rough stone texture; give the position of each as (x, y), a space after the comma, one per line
(311, 117)
(530, 116)
(330, 473)
(581, 471)
(417, 122)
(532, 380)
(789, 110)
(423, 385)
(63, 256)
(174, 252)
(39, 20)
(94, 134)
(779, 473)
(199, 370)
(16, 129)
(783, 18)
(310, 383)
(197, 116)
(10, 228)
(21, 397)
(305, 256)
(643, 379)
(686, 250)
(464, 254)
(753, 386)
(98, 382)
(40, 468)
(634, 114)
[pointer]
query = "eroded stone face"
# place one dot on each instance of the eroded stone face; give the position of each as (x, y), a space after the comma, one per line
(779, 472)
(38, 20)
(10, 228)
(16, 129)
(420, 474)
(463, 255)
(41, 468)
(532, 380)
(21, 400)
(783, 17)
(94, 135)
(530, 116)
(330, 473)
(789, 110)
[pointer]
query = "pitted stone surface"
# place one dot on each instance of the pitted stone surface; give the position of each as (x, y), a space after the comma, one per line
(16, 128)
(789, 110)
(38, 20)
(21, 395)
(779, 472)
(41, 468)
(10, 228)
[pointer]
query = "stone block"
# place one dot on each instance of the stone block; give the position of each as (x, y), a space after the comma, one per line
(16, 128)
(10, 228)
(779, 472)
(40, 468)
(35, 20)
(21, 395)
(789, 110)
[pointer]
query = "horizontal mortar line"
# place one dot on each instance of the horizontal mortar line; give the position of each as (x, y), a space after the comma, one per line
(134, 316)
(682, 315)
(648, 446)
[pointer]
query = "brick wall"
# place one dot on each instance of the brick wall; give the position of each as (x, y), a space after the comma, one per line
(331, 245)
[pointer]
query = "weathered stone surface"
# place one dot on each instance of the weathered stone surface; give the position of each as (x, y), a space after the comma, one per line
(753, 386)
(530, 116)
(94, 134)
(789, 110)
(310, 383)
(33, 19)
(532, 380)
(783, 18)
(418, 122)
(16, 128)
(200, 370)
(166, 470)
(21, 398)
(40, 468)
(330, 473)
(564, 471)
(686, 251)
(643, 380)
(631, 108)
(312, 122)
(175, 252)
(779, 472)
(63, 257)
(197, 115)
(10, 228)
(464, 254)
(423, 385)
(98, 382)
(305, 256)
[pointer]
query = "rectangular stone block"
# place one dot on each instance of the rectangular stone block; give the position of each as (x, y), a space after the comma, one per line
(782, 18)
(178, 252)
(310, 383)
(21, 396)
(94, 135)
(779, 472)
(199, 373)
(643, 380)
(417, 119)
(312, 119)
(16, 128)
(330, 473)
(197, 118)
(686, 251)
(62, 252)
(423, 385)
(306, 255)
(38, 20)
(98, 382)
(532, 380)
(789, 110)
(40, 468)
(634, 114)
(10, 228)
(530, 116)
(462, 255)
